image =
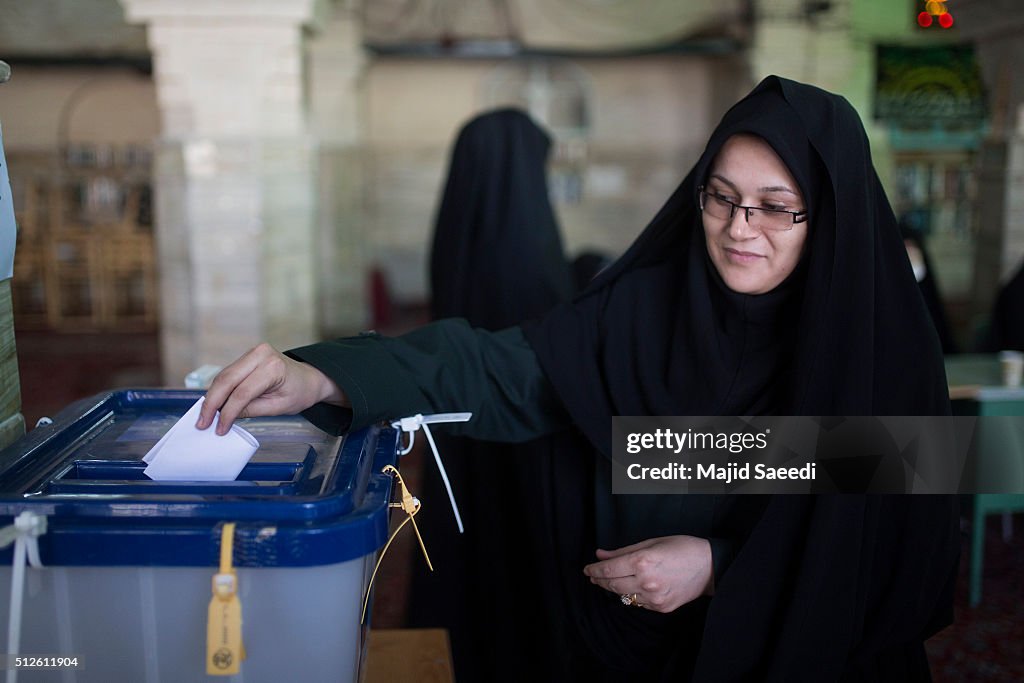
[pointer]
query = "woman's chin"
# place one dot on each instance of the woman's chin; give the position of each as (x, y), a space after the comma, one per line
(746, 280)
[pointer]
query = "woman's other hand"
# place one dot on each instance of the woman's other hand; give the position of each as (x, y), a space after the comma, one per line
(665, 573)
(265, 382)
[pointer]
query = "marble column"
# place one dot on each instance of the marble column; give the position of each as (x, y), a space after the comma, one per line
(337, 66)
(235, 178)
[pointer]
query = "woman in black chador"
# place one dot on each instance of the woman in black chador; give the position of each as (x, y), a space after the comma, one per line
(1008, 315)
(496, 261)
(773, 281)
(497, 256)
(927, 282)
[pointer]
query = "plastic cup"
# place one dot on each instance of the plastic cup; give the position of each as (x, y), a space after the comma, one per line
(1012, 363)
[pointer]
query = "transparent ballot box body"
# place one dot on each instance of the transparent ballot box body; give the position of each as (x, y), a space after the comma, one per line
(128, 562)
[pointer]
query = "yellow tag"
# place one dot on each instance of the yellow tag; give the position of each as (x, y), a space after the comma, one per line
(224, 650)
(224, 637)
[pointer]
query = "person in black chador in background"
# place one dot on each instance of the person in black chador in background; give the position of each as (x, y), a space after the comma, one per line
(1008, 315)
(913, 239)
(497, 260)
(773, 281)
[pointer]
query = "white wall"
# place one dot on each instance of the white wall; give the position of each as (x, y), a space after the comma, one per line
(649, 116)
(103, 105)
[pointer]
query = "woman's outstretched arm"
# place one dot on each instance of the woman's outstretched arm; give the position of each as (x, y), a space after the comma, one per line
(349, 383)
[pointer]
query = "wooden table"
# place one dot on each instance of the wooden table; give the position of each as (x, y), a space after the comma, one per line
(978, 378)
(421, 655)
(976, 389)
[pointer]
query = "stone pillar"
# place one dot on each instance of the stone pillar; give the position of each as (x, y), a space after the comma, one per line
(234, 178)
(337, 65)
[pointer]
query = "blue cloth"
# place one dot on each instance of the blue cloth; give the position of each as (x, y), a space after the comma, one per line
(8, 229)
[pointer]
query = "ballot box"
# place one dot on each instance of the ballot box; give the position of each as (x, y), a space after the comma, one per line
(126, 585)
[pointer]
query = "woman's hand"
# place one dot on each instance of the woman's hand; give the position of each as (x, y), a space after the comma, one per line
(265, 382)
(665, 573)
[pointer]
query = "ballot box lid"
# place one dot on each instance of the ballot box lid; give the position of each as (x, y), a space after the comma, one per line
(305, 497)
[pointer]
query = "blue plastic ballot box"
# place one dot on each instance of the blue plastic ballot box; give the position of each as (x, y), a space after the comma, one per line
(128, 562)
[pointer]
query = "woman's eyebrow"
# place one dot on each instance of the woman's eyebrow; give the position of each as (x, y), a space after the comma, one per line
(778, 188)
(770, 188)
(721, 179)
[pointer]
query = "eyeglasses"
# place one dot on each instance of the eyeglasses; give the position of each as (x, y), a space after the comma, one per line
(758, 218)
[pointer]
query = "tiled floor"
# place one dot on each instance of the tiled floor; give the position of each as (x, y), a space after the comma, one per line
(985, 644)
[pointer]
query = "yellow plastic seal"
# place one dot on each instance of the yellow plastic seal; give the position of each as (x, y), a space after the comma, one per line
(224, 649)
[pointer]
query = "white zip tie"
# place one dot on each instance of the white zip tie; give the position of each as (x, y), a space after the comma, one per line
(411, 424)
(24, 533)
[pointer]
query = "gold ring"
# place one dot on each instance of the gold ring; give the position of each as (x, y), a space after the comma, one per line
(630, 600)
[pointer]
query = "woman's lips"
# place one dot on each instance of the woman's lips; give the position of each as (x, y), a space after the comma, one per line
(738, 256)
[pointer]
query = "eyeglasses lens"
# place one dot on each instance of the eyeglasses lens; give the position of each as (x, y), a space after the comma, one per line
(760, 219)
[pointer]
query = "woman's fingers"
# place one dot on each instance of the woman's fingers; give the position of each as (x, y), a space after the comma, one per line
(265, 382)
(615, 567)
(239, 384)
(657, 599)
(665, 573)
(619, 586)
(244, 400)
(624, 561)
(610, 569)
(223, 384)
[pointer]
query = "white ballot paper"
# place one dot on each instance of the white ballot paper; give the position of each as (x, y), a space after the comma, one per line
(185, 453)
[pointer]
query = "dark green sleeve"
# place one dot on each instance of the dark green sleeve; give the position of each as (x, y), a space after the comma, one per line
(443, 367)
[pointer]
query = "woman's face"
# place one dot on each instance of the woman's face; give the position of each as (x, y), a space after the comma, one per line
(752, 259)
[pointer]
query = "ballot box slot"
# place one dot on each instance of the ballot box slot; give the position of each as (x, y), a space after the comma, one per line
(282, 470)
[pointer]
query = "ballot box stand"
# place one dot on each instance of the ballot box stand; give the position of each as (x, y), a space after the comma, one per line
(128, 562)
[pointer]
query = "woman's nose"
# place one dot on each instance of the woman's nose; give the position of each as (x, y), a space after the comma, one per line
(739, 227)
